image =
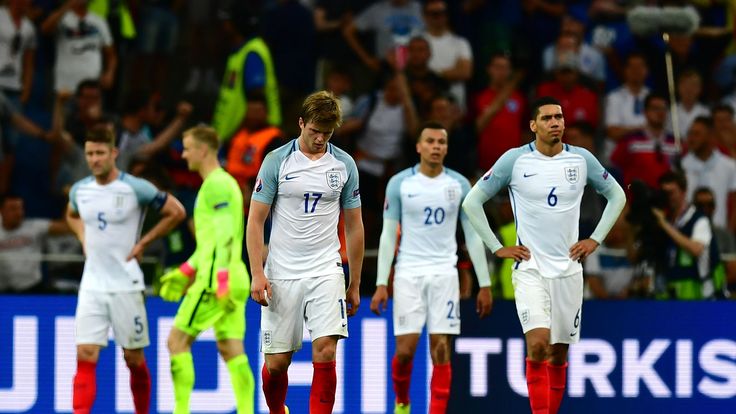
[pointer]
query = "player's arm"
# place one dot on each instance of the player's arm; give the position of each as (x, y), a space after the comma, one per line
(172, 213)
(59, 227)
(254, 240)
(607, 186)
(355, 244)
(489, 185)
(75, 222)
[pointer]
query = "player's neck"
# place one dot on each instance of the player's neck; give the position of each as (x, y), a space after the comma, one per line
(549, 150)
(430, 170)
(110, 177)
(304, 148)
(208, 165)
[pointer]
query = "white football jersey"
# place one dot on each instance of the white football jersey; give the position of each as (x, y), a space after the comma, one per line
(428, 210)
(305, 197)
(79, 44)
(113, 215)
(545, 196)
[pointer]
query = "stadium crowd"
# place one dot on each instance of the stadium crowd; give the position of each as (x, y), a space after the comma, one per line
(150, 68)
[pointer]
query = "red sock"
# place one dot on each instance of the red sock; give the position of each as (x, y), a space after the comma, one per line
(440, 388)
(85, 387)
(324, 382)
(401, 375)
(537, 383)
(140, 385)
(557, 379)
(274, 389)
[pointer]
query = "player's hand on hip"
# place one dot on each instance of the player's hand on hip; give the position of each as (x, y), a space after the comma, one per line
(352, 300)
(582, 249)
(260, 289)
(517, 253)
(484, 302)
(136, 253)
(379, 300)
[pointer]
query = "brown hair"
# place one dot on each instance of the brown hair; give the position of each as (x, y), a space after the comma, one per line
(322, 108)
(204, 134)
(102, 134)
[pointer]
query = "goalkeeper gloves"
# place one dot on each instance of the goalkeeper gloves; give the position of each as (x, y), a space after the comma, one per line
(175, 282)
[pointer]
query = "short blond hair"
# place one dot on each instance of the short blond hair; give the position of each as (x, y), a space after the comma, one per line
(322, 108)
(204, 134)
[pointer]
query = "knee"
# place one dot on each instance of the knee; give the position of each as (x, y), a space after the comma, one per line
(325, 352)
(229, 348)
(277, 366)
(89, 353)
(537, 349)
(133, 357)
(440, 352)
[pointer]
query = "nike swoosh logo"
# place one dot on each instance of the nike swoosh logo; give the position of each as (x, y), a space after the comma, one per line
(287, 178)
(344, 325)
(529, 175)
(574, 333)
(412, 195)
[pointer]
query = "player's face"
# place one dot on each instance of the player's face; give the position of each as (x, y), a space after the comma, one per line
(432, 146)
(100, 158)
(315, 137)
(194, 152)
(549, 125)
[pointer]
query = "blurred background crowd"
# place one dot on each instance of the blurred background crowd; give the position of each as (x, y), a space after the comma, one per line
(150, 68)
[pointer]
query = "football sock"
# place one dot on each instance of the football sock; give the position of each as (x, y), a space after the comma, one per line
(85, 387)
(557, 379)
(537, 383)
(440, 388)
(244, 385)
(182, 374)
(274, 389)
(140, 386)
(401, 376)
(324, 382)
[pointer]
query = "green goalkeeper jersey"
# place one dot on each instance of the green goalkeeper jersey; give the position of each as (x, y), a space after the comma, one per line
(219, 228)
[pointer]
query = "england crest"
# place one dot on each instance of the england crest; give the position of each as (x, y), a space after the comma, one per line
(451, 194)
(572, 174)
(334, 180)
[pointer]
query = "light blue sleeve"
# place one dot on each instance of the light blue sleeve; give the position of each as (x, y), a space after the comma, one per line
(392, 203)
(350, 196)
(607, 186)
(73, 197)
(267, 182)
(499, 176)
(146, 193)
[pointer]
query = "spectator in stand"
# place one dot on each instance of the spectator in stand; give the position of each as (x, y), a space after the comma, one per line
(249, 69)
(591, 63)
(330, 17)
(461, 155)
(424, 84)
(393, 22)
(725, 129)
(136, 140)
(84, 47)
(704, 166)
(21, 244)
(499, 112)
(704, 200)
(650, 152)
(17, 51)
(578, 102)
(451, 55)
(689, 88)
(608, 270)
(251, 144)
(158, 33)
(624, 106)
(581, 134)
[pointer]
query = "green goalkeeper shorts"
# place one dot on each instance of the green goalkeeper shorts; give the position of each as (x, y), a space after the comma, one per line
(201, 310)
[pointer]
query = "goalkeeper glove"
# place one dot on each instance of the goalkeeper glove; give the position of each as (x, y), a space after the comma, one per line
(223, 290)
(175, 282)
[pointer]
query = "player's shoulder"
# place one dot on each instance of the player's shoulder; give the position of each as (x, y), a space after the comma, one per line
(402, 175)
(84, 182)
(341, 155)
(277, 155)
(457, 176)
(132, 181)
(575, 151)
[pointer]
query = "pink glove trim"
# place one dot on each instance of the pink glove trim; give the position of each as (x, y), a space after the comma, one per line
(187, 269)
(222, 282)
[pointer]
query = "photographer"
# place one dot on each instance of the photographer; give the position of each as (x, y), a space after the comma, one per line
(691, 250)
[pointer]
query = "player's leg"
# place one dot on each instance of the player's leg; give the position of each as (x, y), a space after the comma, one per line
(130, 326)
(326, 318)
(567, 301)
(140, 379)
(443, 304)
(409, 318)
(230, 331)
(281, 334)
(194, 309)
(91, 325)
(533, 307)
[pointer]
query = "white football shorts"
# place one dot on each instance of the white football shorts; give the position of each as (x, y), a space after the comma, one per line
(433, 300)
(125, 312)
